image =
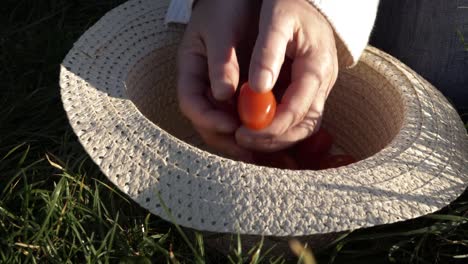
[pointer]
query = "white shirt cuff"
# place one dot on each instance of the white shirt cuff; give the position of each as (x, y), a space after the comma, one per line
(179, 11)
(352, 22)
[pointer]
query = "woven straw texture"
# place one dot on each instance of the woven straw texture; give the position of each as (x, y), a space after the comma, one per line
(118, 90)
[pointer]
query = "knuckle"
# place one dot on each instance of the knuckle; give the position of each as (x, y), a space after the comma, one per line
(326, 67)
(259, 62)
(184, 48)
(297, 115)
(222, 69)
(190, 44)
(279, 28)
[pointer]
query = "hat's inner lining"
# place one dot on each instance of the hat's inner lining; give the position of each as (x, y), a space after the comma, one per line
(364, 111)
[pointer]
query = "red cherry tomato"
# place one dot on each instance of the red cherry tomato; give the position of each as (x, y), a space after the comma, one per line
(228, 106)
(335, 161)
(256, 110)
(309, 151)
(279, 159)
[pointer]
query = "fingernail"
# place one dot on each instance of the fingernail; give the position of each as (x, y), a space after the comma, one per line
(264, 80)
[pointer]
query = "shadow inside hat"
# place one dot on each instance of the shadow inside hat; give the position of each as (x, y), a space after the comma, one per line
(362, 123)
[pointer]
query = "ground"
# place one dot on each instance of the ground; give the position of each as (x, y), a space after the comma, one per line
(57, 207)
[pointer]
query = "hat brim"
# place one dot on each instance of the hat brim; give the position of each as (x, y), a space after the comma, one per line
(421, 170)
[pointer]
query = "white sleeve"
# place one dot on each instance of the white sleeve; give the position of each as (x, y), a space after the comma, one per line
(179, 11)
(352, 22)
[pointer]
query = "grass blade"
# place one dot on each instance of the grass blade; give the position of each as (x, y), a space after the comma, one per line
(305, 254)
(51, 205)
(200, 244)
(24, 156)
(256, 255)
(12, 151)
(198, 258)
(454, 218)
(53, 164)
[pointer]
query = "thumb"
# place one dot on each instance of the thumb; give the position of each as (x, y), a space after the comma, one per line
(275, 32)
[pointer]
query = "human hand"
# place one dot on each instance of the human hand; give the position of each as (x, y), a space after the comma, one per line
(217, 30)
(296, 29)
(208, 60)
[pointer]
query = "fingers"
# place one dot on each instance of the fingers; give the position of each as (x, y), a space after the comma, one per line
(302, 105)
(308, 126)
(313, 75)
(275, 32)
(223, 67)
(297, 99)
(191, 85)
(226, 144)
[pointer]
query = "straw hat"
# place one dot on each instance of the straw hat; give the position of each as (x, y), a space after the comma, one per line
(118, 90)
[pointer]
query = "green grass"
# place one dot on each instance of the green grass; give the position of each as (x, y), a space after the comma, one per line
(462, 39)
(57, 207)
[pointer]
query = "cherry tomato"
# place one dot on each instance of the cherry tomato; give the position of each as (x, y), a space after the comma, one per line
(279, 159)
(256, 110)
(309, 151)
(228, 106)
(335, 161)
